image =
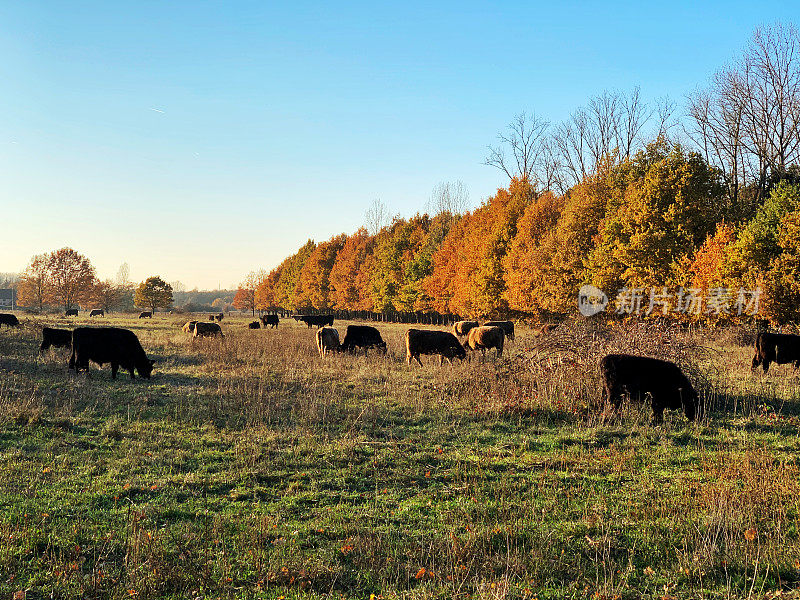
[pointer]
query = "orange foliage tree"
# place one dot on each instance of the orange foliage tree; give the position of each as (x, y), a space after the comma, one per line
(468, 277)
(313, 284)
(35, 285)
(348, 277)
(72, 277)
(245, 298)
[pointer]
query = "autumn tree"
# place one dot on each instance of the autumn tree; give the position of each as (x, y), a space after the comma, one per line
(265, 290)
(72, 277)
(349, 277)
(468, 275)
(153, 293)
(106, 295)
(245, 298)
(286, 289)
(525, 256)
(667, 207)
(35, 285)
(314, 281)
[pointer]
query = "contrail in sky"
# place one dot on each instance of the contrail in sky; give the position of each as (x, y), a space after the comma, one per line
(157, 110)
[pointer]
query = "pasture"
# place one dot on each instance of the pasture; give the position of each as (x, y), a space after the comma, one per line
(249, 467)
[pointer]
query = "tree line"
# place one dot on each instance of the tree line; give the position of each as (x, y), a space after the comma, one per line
(66, 279)
(622, 196)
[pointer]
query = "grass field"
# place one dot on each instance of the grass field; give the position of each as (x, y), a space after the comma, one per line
(250, 468)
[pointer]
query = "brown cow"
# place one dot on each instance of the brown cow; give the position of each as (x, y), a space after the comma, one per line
(425, 341)
(188, 327)
(484, 338)
(462, 327)
(327, 340)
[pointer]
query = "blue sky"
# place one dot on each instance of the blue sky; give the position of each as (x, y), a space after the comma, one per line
(203, 140)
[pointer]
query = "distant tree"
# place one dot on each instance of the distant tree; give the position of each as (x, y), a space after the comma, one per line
(72, 277)
(376, 217)
(448, 197)
(106, 295)
(124, 275)
(153, 293)
(245, 298)
(525, 140)
(747, 122)
(35, 284)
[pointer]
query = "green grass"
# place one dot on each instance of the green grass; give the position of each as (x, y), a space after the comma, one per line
(251, 468)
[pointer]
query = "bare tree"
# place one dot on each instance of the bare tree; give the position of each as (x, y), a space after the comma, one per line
(376, 217)
(525, 141)
(448, 197)
(610, 126)
(747, 122)
(124, 275)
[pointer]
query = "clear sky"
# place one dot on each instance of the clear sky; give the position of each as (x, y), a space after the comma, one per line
(202, 140)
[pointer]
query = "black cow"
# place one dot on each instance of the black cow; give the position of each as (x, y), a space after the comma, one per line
(270, 320)
(640, 376)
(9, 319)
(71, 312)
(219, 317)
(425, 341)
(114, 345)
(362, 336)
(316, 320)
(506, 326)
(146, 314)
(58, 338)
(254, 325)
(97, 312)
(211, 317)
(779, 348)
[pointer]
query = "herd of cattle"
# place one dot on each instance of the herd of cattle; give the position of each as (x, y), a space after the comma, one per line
(623, 375)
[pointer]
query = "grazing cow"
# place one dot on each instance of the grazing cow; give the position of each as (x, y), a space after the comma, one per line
(506, 326)
(101, 345)
(425, 341)
(211, 317)
(71, 312)
(484, 338)
(9, 319)
(146, 314)
(203, 329)
(327, 340)
(270, 320)
(97, 312)
(639, 376)
(462, 327)
(59, 338)
(779, 348)
(316, 320)
(219, 317)
(188, 327)
(362, 336)
(254, 325)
